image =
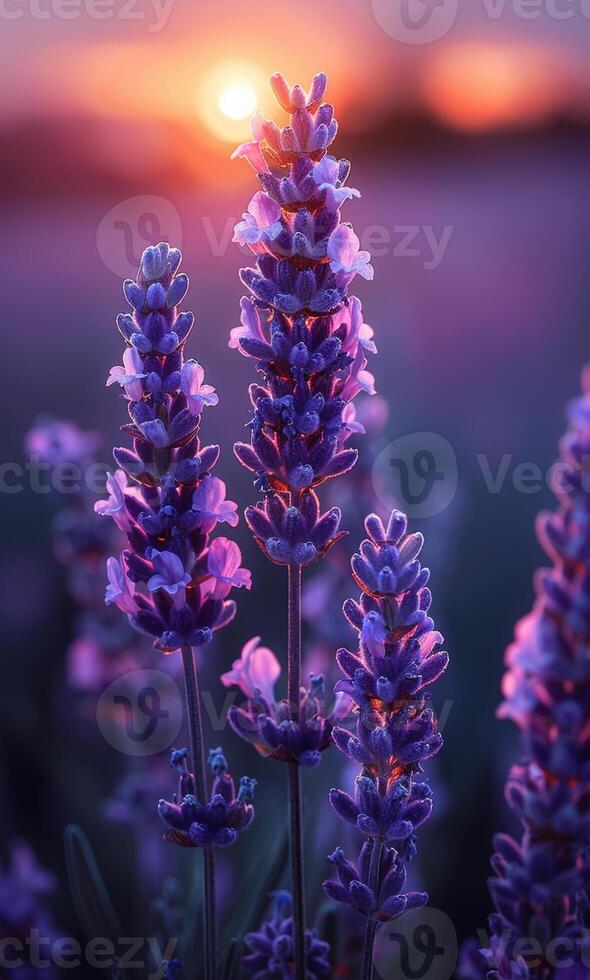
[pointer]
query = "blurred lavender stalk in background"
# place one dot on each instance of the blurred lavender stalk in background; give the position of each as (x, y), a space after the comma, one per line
(24, 890)
(105, 646)
(540, 883)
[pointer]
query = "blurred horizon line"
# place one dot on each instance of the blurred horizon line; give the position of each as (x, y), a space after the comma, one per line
(174, 154)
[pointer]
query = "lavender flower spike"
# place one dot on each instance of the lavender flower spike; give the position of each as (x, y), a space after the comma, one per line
(266, 722)
(192, 823)
(271, 949)
(541, 882)
(396, 729)
(307, 337)
(172, 580)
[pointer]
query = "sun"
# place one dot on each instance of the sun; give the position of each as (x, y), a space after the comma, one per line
(237, 101)
(228, 94)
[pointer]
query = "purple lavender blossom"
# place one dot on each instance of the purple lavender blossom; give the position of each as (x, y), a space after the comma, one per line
(194, 823)
(105, 645)
(272, 947)
(54, 441)
(171, 581)
(267, 723)
(306, 334)
(294, 535)
(382, 902)
(24, 890)
(396, 729)
(541, 882)
(131, 801)
(308, 339)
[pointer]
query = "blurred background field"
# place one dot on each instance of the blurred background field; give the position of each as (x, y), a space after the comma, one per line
(471, 153)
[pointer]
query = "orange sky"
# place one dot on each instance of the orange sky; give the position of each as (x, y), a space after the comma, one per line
(481, 75)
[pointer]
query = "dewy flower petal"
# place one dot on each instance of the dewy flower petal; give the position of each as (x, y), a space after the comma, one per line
(326, 171)
(251, 326)
(343, 251)
(326, 175)
(351, 423)
(257, 670)
(223, 563)
(261, 222)
(191, 384)
(119, 590)
(251, 149)
(373, 633)
(209, 500)
(114, 506)
(357, 332)
(170, 574)
(130, 375)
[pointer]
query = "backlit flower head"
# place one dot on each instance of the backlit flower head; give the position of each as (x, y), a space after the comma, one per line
(269, 725)
(396, 730)
(198, 823)
(299, 322)
(171, 580)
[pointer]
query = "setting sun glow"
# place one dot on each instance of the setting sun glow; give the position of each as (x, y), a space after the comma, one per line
(228, 94)
(474, 86)
(237, 101)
